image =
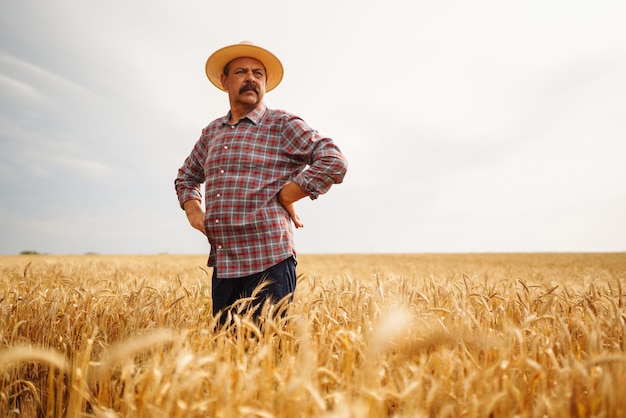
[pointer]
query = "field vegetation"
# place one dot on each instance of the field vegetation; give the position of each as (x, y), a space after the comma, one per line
(424, 335)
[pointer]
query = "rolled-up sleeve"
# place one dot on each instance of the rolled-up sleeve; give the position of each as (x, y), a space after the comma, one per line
(191, 175)
(326, 163)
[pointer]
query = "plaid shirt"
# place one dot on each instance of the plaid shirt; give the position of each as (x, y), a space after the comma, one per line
(243, 167)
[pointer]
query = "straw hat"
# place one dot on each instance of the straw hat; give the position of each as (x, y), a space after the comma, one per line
(218, 60)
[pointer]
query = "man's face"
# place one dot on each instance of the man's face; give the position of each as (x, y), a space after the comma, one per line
(245, 82)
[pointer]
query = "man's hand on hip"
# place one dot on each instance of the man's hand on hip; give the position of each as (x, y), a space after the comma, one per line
(288, 195)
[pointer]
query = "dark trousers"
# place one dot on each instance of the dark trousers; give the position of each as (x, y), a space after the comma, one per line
(280, 281)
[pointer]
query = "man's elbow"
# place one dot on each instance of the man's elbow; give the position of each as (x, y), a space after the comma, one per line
(340, 166)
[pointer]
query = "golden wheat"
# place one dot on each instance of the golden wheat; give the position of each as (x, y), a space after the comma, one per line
(470, 335)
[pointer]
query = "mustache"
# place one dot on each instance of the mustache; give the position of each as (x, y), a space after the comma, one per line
(249, 86)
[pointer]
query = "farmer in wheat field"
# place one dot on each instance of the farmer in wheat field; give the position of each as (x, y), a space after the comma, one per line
(255, 163)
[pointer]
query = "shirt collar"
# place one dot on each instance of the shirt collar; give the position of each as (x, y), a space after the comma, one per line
(253, 116)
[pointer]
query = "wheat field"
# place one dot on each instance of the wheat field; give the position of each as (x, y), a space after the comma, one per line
(422, 335)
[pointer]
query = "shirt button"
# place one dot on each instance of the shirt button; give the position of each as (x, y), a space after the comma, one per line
(217, 221)
(221, 171)
(232, 126)
(219, 247)
(218, 195)
(225, 146)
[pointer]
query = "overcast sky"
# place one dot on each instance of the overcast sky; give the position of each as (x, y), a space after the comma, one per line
(469, 126)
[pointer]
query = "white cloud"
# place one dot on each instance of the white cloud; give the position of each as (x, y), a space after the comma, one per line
(17, 90)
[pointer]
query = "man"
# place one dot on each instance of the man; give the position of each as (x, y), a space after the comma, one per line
(255, 163)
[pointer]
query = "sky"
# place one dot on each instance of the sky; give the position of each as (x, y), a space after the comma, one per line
(469, 126)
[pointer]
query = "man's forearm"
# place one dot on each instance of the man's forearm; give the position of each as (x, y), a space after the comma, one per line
(192, 206)
(195, 214)
(290, 193)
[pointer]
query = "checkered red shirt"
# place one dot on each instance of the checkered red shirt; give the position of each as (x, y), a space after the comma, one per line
(243, 167)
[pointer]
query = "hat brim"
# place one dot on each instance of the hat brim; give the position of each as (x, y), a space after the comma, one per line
(217, 61)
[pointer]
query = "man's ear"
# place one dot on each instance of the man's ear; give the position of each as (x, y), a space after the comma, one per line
(223, 79)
